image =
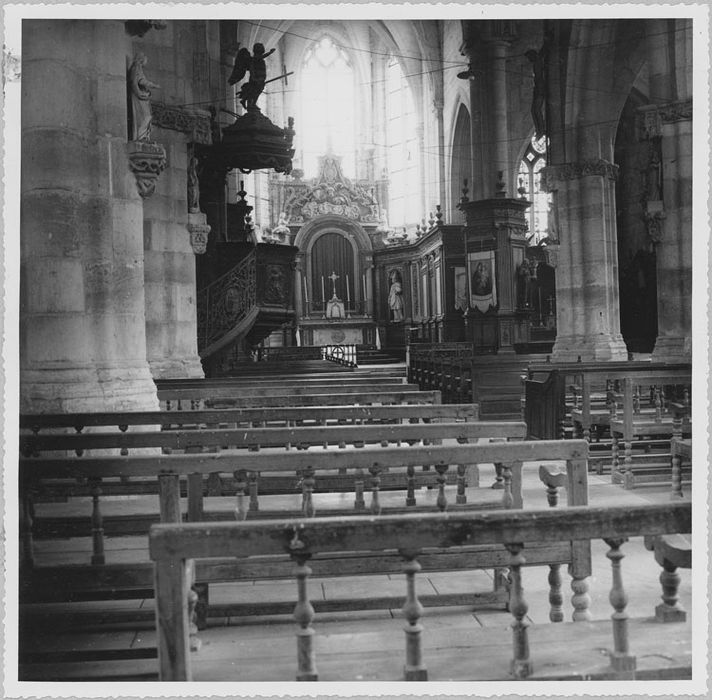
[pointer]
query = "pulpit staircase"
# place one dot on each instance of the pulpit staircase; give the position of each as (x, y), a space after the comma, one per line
(244, 305)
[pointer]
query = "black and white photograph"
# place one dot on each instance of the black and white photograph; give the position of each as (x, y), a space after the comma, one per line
(355, 349)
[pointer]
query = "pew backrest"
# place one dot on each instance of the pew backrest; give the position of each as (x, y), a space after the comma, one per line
(174, 549)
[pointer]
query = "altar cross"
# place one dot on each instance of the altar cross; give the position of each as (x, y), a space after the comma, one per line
(333, 277)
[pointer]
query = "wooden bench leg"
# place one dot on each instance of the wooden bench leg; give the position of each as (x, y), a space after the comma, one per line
(670, 609)
(622, 662)
(521, 665)
(304, 614)
(414, 670)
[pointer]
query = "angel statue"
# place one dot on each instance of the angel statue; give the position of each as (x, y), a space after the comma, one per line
(255, 65)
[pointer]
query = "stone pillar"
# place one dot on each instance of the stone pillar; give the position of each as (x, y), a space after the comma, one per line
(588, 316)
(674, 246)
(82, 316)
(172, 238)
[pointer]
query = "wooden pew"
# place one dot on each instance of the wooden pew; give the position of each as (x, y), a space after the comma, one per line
(177, 401)
(251, 438)
(661, 423)
(174, 548)
(583, 396)
(287, 415)
(366, 467)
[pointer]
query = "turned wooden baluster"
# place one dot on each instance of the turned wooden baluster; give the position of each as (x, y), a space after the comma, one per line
(375, 471)
(359, 485)
(194, 642)
(97, 525)
(461, 497)
(308, 482)
(658, 405)
(414, 670)
(580, 600)
(521, 665)
(410, 486)
(622, 662)
(616, 473)
(636, 399)
(252, 486)
(303, 611)
(441, 501)
(554, 479)
(507, 498)
(498, 478)
(26, 522)
(240, 494)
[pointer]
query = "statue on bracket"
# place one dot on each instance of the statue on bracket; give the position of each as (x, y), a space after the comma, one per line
(395, 296)
(254, 64)
(193, 186)
(140, 87)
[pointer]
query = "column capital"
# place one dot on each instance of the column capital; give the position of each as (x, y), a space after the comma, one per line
(553, 174)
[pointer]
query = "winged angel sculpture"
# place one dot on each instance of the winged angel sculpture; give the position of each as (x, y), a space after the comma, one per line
(254, 64)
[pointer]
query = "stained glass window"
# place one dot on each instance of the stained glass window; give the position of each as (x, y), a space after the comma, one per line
(403, 155)
(529, 186)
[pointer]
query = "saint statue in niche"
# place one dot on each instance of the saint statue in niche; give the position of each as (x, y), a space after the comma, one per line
(140, 87)
(255, 65)
(395, 296)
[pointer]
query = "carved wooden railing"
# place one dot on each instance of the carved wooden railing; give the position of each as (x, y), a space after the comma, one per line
(174, 547)
(226, 302)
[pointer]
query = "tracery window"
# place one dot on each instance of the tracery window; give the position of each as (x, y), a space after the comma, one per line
(328, 107)
(529, 186)
(405, 205)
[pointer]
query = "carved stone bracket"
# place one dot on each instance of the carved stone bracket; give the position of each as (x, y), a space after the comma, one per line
(193, 123)
(147, 161)
(199, 231)
(652, 117)
(553, 174)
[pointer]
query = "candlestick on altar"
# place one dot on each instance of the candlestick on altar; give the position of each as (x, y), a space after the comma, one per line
(348, 297)
(365, 296)
(323, 300)
(306, 296)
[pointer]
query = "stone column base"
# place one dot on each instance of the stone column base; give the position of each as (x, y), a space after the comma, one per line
(185, 368)
(602, 348)
(87, 389)
(673, 348)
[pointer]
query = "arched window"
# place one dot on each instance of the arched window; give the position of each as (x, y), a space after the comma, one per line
(529, 186)
(405, 204)
(328, 106)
